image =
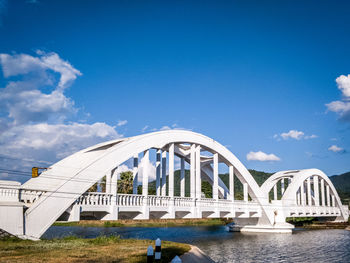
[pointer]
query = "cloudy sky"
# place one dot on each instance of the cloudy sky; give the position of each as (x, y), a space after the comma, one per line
(270, 80)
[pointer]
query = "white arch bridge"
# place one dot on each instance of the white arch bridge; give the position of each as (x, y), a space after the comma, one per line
(28, 210)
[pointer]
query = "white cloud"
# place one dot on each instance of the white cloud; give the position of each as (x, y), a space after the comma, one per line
(165, 128)
(122, 168)
(24, 99)
(172, 127)
(36, 125)
(18, 64)
(294, 134)
(122, 123)
(342, 107)
(336, 149)
(144, 128)
(262, 157)
(343, 83)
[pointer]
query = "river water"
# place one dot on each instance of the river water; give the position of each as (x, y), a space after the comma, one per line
(224, 246)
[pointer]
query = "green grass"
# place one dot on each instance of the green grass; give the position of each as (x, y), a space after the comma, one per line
(72, 249)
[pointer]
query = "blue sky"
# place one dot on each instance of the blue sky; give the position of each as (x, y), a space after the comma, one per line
(254, 75)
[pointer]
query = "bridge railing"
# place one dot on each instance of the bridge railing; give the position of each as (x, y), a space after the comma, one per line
(29, 196)
(9, 194)
(11, 191)
(183, 201)
(95, 198)
(206, 202)
(158, 200)
(130, 200)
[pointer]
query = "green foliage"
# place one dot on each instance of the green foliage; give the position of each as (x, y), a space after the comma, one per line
(298, 221)
(102, 185)
(207, 189)
(125, 183)
(93, 188)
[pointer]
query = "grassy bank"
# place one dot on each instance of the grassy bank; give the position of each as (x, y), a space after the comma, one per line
(146, 223)
(72, 249)
(313, 223)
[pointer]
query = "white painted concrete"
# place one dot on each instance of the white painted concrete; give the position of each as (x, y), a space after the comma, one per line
(62, 188)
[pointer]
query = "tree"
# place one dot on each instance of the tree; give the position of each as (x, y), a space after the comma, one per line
(102, 184)
(125, 183)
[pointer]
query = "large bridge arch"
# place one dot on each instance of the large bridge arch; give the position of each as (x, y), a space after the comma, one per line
(69, 178)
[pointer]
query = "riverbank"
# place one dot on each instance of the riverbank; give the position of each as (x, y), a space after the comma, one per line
(325, 225)
(73, 249)
(148, 223)
(313, 223)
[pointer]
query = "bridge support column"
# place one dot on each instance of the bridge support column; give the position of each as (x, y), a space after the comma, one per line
(163, 192)
(275, 192)
(145, 173)
(198, 184)
(171, 209)
(316, 191)
(158, 193)
(245, 192)
(135, 174)
(322, 193)
(231, 183)
(192, 171)
(328, 196)
(182, 178)
(198, 173)
(252, 225)
(145, 212)
(216, 176)
(74, 214)
(309, 199)
(114, 186)
(298, 197)
(302, 192)
(282, 186)
(171, 170)
(112, 215)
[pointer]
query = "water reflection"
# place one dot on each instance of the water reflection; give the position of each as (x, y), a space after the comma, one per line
(224, 246)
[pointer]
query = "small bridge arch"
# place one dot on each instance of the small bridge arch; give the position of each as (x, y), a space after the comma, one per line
(307, 192)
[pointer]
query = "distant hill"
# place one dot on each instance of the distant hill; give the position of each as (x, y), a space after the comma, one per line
(342, 184)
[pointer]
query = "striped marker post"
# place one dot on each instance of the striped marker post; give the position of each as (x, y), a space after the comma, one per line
(150, 254)
(158, 250)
